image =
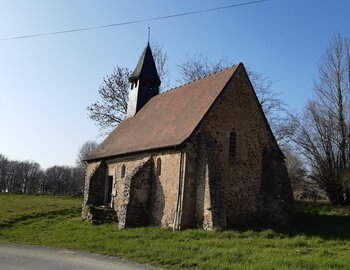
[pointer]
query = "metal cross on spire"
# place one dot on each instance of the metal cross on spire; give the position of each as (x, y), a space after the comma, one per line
(149, 33)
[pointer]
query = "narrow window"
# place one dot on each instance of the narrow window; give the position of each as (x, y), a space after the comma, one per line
(232, 146)
(122, 172)
(159, 166)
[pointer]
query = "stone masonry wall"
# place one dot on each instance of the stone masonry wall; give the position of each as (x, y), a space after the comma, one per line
(96, 175)
(139, 207)
(276, 195)
(94, 185)
(210, 200)
(230, 191)
(165, 188)
(121, 185)
(162, 189)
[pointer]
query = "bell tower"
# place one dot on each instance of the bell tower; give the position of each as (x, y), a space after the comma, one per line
(144, 82)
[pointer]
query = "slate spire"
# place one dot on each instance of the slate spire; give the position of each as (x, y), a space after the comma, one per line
(146, 68)
(144, 81)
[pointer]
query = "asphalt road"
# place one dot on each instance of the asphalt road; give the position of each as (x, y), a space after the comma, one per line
(23, 257)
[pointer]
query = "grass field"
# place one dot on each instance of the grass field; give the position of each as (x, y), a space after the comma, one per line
(318, 238)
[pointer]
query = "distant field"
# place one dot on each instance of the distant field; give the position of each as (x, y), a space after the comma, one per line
(14, 208)
(318, 238)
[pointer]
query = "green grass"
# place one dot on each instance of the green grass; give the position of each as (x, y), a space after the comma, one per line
(14, 208)
(318, 238)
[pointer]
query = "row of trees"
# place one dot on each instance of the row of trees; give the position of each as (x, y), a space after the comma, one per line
(316, 142)
(27, 177)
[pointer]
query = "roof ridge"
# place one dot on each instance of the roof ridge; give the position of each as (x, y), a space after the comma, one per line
(195, 80)
(166, 121)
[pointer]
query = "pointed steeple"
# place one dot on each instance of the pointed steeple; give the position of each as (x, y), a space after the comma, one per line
(144, 81)
(146, 68)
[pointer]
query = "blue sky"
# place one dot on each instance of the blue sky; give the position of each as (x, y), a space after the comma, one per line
(47, 82)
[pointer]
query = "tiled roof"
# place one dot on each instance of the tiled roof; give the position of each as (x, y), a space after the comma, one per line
(167, 119)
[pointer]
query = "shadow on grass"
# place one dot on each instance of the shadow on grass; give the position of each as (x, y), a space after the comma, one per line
(313, 219)
(68, 212)
(329, 227)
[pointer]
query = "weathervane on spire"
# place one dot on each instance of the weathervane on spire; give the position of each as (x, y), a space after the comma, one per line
(149, 33)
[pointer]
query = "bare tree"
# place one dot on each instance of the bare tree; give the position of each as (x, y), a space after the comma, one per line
(111, 109)
(4, 166)
(77, 181)
(198, 66)
(14, 180)
(303, 187)
(296, 170)
(323, 131)
(161, 60)
(84, 151)
(30, 173)
(274, 108)
(58, 180)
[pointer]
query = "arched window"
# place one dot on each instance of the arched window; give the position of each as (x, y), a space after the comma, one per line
(232, 146)
(159, 166)
(122, 171)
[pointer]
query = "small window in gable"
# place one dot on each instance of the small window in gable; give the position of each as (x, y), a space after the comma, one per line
(159, 166)
(233, 146)
(122, 172)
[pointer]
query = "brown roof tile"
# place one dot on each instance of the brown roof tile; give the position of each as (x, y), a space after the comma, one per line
(167, 119)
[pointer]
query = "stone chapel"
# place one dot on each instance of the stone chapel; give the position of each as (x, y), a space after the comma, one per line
(201, 155)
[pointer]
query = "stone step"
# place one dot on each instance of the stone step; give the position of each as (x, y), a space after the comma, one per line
(101, 215)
